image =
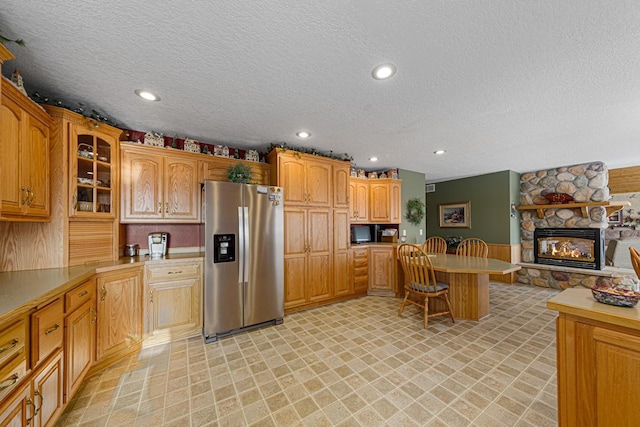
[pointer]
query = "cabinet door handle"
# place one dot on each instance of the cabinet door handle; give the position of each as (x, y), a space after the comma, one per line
(95, 314)
(175, 272)
(52, 329)
(166, 208)
(13, 343)
(26, 195)
(38, 394)
(159, 207)
(33, 415)
(9, 381)
(103, 293)
(33, 196)
(83, 293)
(75, 202)
(151, 296)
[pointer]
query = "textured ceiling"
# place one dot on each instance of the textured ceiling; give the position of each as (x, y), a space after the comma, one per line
(520, 85)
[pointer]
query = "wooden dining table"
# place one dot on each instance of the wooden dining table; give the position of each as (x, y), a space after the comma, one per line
(468, 280)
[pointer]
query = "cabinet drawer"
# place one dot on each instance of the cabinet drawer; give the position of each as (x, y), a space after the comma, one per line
(360, 253)
(359, 262)
(12, 374)
(12, 341)
(173, 271)
(78, 296)
(46, 330)
(361, 281)
(361, 271)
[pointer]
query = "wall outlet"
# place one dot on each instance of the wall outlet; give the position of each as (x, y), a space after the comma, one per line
(421, 231)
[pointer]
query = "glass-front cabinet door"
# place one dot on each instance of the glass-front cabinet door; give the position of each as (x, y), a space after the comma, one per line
(92, 165)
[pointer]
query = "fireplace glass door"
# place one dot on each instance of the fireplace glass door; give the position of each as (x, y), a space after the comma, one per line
(566, 248)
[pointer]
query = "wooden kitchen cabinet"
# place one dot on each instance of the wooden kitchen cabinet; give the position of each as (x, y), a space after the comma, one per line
(217, 169)
(24, 164)
(341, 190)
(14, 346)
(173, 300)
(386, 201)
(159, 186)
(38, 402)
(598, 361)
(119, 306)
(307, 256)
(80, 335)
(360, 269)
(359, 200)
(47, 326)
(342, 284)
(307, 179)
(382, 276)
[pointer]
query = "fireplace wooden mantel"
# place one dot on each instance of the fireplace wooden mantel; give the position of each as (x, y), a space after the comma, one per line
(610, 206)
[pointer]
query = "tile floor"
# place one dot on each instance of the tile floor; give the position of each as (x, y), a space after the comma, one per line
(354, 363)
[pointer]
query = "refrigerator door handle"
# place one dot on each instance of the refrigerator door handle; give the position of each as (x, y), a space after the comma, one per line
(241, 230)
(245, 245)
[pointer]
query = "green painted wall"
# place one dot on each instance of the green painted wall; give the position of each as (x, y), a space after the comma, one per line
(491, 196)
(412, 186)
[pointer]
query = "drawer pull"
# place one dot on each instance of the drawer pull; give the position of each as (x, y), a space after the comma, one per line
(103, 293)
(14, 342)
(83, 293)
(53, 329)
(13, 379)
(175, 272)
(38, 394)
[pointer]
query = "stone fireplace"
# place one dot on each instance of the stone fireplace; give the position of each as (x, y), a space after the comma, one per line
(585, 183)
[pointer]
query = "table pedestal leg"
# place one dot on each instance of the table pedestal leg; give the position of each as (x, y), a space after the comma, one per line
(468, 293)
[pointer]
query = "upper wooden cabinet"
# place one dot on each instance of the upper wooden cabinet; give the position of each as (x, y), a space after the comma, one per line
(159, 186)
(359, 197)
(24, 164)
(307, 179)
(341, 190)
(385, 197)
(217, 168)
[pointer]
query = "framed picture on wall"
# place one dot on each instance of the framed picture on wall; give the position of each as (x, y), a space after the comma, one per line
(455, 215)
(615, 218)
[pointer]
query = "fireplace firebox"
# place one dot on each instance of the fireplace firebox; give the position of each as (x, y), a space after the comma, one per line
(569, 247)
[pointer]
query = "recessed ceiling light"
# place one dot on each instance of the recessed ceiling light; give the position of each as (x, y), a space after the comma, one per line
(383, 71)
(303, 134)
(439, 152)
(373, 159)
(146, 95)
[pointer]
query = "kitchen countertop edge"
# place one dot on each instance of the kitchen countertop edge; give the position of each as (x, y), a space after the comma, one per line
(26, 290)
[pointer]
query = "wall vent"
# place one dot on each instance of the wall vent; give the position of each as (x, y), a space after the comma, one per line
(430, 188)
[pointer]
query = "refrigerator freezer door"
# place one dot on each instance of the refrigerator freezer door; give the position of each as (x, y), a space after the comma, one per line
(264, 292)
(223, 286)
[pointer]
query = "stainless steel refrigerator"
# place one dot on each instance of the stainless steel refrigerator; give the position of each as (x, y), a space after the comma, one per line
(244, 257)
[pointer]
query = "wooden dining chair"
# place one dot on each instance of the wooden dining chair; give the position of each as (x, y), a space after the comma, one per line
(420, 282)
(635, 260)
(435, 244)
(473, 247)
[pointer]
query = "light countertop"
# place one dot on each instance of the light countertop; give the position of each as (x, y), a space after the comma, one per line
(580, 302)
(21, 291)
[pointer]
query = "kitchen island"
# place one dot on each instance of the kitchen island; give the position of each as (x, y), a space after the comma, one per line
(598, 360)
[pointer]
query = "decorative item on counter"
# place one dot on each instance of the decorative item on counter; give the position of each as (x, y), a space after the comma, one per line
(131, 250)
(618, 296)
(362, 173)
(415, 211)
(283, 146)
(561, 198)
(354, 172)
(373, 175)
(154, 139)
(382, 175)
(16, 79)
(239, 172)
(191, 146)
(205, 149)
(252, 155)
(393, 173)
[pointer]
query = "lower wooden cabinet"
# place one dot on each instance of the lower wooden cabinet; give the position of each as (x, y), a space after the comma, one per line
(382, 271)
(598, 372)
(38, 402)
(360, 269)
(173, 301)
(79, 335)
(119, 309)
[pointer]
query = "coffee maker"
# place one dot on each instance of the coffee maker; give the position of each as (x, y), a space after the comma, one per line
(157, 244)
